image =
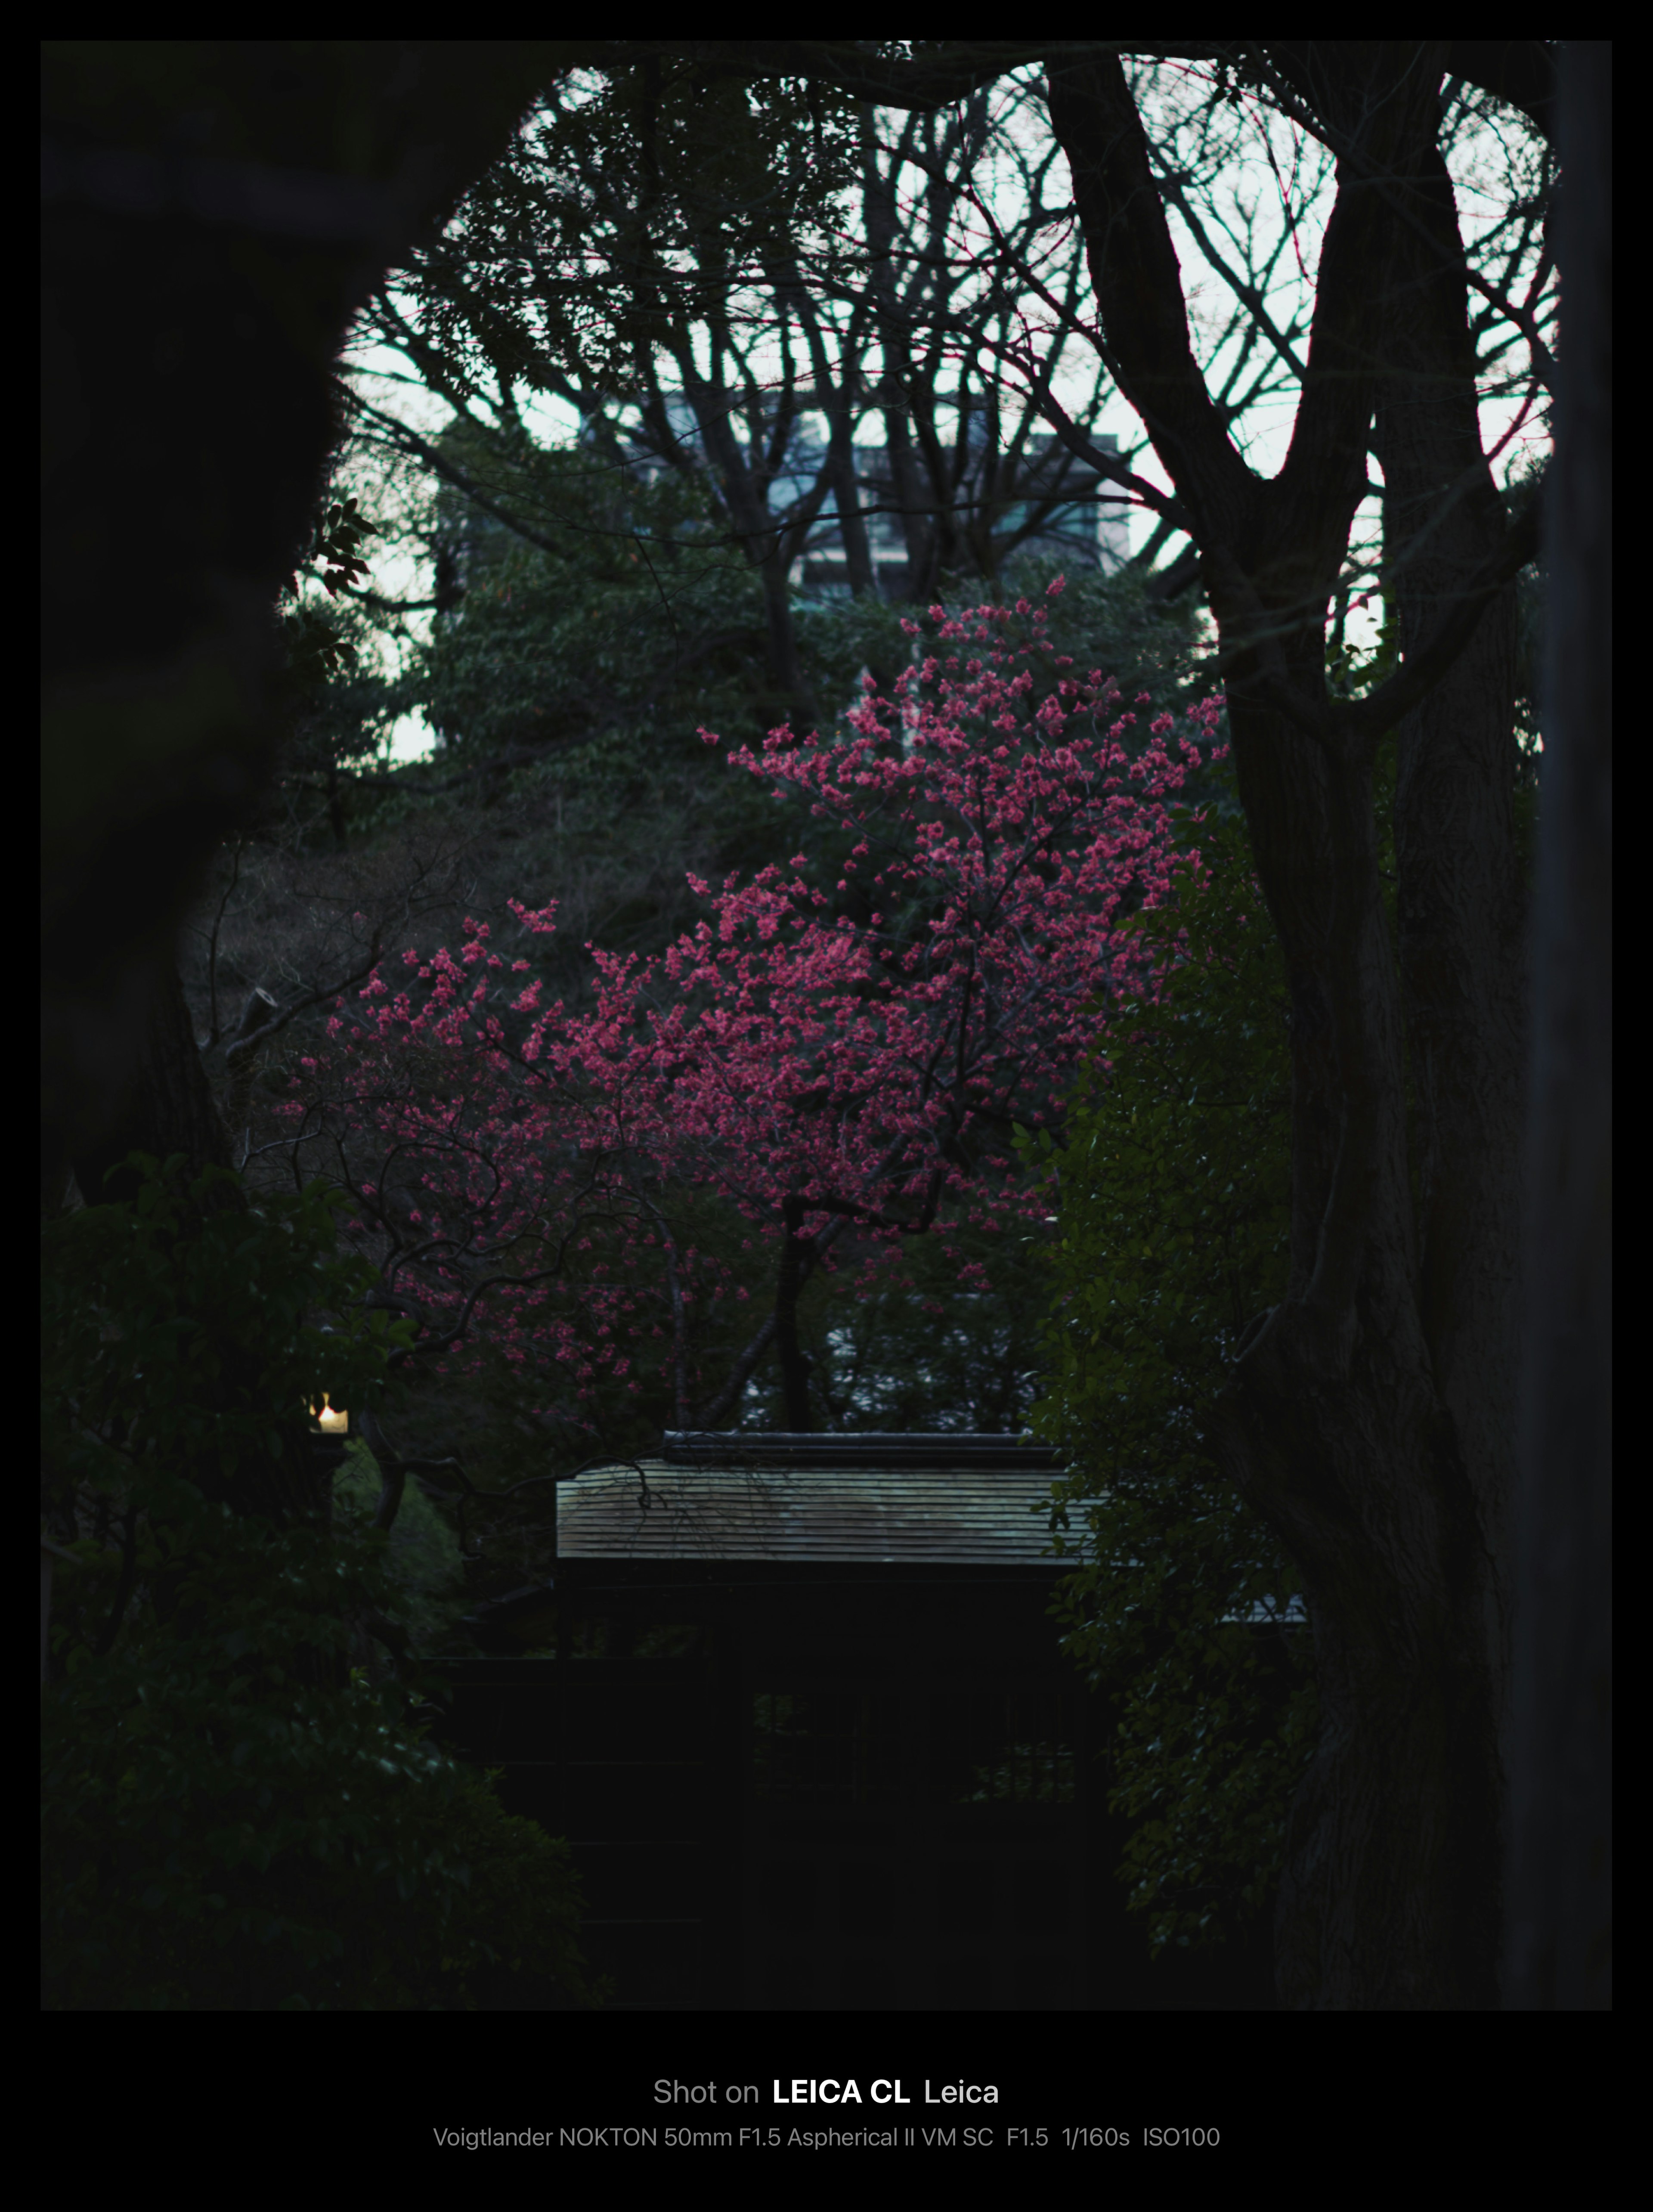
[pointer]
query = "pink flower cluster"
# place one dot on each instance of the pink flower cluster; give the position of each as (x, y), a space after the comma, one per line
(855, 1051)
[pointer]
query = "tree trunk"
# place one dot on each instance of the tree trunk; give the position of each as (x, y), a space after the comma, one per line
(1559, 1955)
(786, 673)
(797, 1252)
(1367, 1420)
(168, 1106)
(191, 189)
(1336, 1430)
(746, 499)
(1390, 1896)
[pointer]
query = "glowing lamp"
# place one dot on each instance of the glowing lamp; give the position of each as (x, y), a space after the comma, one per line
(330, 1420)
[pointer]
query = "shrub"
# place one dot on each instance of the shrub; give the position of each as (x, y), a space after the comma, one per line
(233, 1819)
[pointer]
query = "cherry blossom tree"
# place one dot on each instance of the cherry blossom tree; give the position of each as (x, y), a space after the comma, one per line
(839, 1064)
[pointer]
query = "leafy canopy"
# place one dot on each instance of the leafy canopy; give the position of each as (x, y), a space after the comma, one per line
(627, 204)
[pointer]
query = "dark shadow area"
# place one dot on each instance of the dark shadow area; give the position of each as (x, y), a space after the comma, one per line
(820, 1789)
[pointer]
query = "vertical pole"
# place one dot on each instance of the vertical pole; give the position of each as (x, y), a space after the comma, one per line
(1559, 1891)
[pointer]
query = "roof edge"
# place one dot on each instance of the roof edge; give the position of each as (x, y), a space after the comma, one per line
(693, 1448)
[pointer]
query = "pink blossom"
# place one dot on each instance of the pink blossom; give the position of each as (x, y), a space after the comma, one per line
(778, 1052)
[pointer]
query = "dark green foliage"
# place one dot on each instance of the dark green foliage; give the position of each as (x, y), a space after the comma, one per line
(424, 1559)
(649, 193)
(1172, 1239)
(316, 646)
(233, 1819)
(216, 1836)
(911, 1350)
(186, 1336)
(1111, 623)
(842, 638)
(917, 1351)
(336, 704)
(629, 613)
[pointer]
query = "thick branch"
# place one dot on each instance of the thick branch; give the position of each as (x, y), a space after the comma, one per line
(395, 1470)
(1353, 727)
(1139, 286)
(1367, 719)
(739, 1375)
(241, 1058)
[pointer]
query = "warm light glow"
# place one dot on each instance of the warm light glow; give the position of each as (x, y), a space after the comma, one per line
(332, 1421)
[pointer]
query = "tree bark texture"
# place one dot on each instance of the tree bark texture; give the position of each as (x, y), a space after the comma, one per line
(1558, 1953)
(165, 1105)
(1368, 1419)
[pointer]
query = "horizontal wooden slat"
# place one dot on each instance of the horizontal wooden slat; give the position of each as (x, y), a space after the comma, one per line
(966, 1514)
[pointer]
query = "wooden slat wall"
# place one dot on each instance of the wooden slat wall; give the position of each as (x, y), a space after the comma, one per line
(959, 1516)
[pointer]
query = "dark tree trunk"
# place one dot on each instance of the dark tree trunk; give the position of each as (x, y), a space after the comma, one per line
(796, 1254)
(168, 1107)
(199, 193)
(1391, 1895)
(792, 686)
(767, 545)
(1368, 1419)
(847, 496)
(1560, 1890)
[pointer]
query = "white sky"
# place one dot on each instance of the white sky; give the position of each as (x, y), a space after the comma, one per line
(1257, 190)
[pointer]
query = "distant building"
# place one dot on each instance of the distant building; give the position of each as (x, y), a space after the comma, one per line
(1084, 530)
